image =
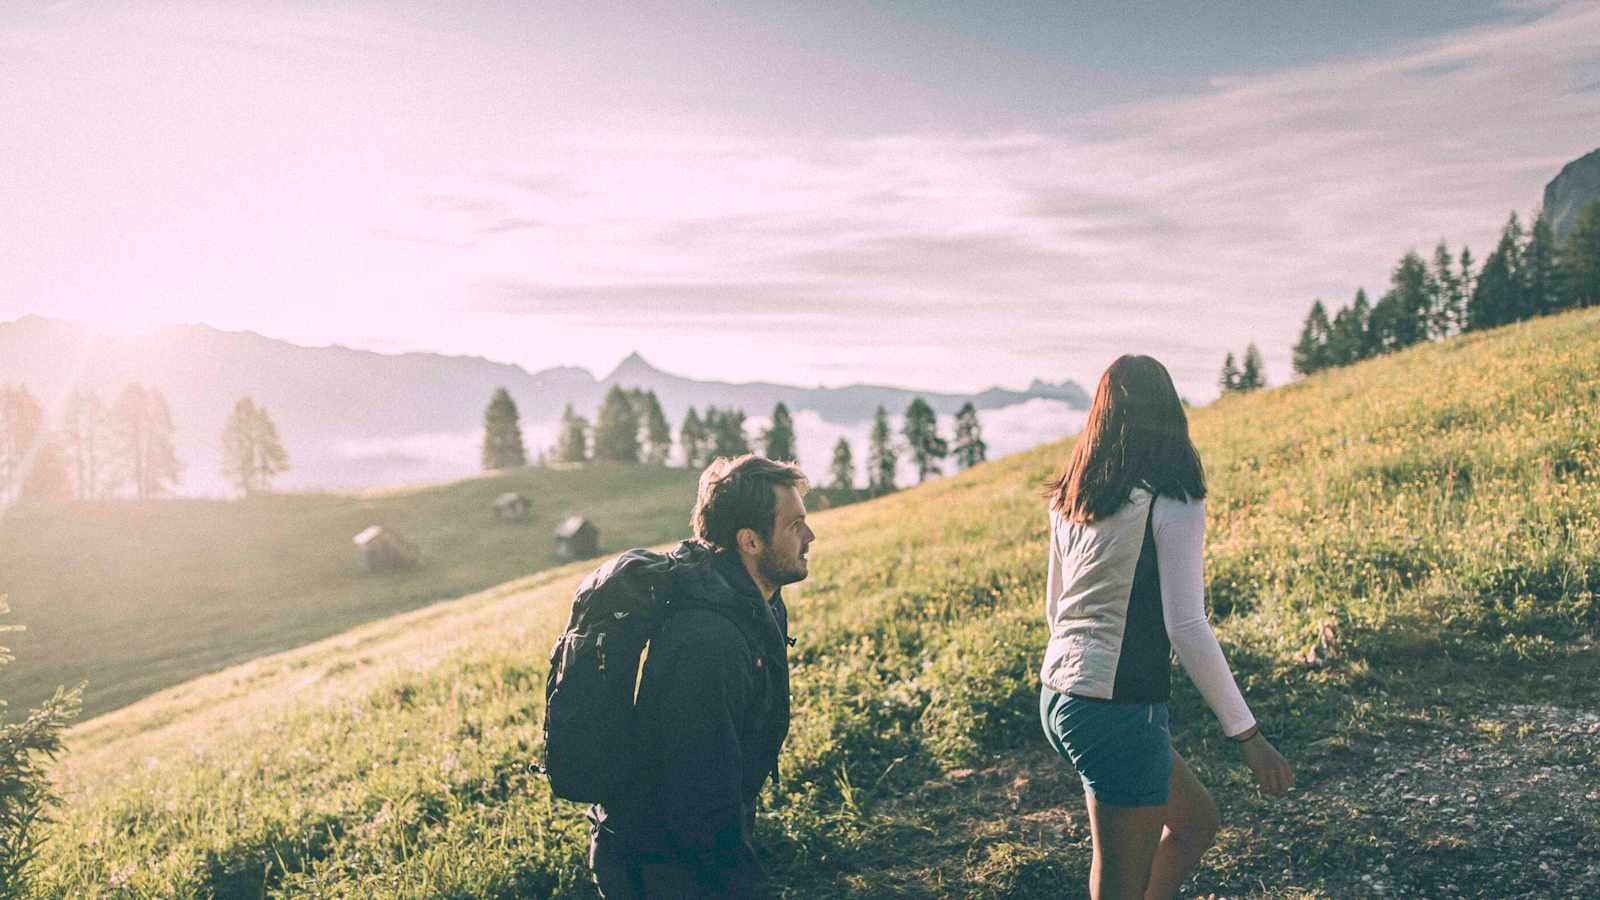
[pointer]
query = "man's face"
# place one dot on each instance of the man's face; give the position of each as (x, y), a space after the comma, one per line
(783, 558)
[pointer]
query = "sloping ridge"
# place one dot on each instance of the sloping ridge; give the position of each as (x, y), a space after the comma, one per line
(1395, 549)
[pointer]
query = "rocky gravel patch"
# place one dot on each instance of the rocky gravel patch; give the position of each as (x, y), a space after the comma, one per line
(1503, 804)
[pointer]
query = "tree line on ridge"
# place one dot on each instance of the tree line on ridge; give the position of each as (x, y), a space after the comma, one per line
(630, 427)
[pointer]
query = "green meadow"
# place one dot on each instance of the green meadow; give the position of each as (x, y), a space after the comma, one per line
(137, 596)
(1403, 564)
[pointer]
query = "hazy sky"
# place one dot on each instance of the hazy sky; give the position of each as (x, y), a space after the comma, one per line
(939, 195)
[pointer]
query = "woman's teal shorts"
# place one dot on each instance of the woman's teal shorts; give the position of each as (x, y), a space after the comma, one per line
(1122, 751)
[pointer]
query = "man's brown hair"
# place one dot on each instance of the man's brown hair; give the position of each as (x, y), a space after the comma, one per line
(740, 493)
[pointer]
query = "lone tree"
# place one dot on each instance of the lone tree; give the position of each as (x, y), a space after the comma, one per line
(843, 468)
(26, 790)
(252, 455)
(616, 429)
(572, 444)
(502, 433)
(692, 438)
(779, 437)
(881, 454)
(21, 426)
(142, 423)
(922, 439)
(969, 448)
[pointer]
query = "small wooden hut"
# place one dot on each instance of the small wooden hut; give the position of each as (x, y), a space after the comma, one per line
(512, 507)
(577, 538)
(378, 549)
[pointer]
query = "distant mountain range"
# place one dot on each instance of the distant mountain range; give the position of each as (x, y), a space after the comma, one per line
(328, 400)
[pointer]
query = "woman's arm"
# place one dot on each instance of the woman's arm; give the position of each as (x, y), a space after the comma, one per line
(1180, 532)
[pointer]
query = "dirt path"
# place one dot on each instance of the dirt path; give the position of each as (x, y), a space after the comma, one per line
(1505, 803)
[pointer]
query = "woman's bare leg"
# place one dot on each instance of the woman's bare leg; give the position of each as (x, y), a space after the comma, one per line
(1191, 826)
(1125, 839)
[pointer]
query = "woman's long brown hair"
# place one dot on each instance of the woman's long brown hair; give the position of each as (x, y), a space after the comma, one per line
(1137, 436)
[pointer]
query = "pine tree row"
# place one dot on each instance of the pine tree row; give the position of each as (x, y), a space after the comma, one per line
(1527, 275)
(630, 427)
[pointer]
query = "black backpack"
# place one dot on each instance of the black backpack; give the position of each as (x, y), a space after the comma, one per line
(594, 667)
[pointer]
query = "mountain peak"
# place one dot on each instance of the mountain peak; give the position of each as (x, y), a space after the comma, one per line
(632, 366)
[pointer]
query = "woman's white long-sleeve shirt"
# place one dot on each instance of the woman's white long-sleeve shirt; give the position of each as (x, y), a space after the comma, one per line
(1122, 594)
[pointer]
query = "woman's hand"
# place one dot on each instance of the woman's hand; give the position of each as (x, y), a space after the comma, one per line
(1271, 769)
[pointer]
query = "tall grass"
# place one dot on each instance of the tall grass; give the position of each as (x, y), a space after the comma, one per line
(1435, 509)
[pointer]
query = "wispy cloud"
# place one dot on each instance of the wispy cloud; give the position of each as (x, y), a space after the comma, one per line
(1188, 224)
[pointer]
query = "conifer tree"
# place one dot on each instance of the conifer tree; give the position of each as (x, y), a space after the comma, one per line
(1448, 301)
(1383, 325)
(1412, 311)
(84, 437)
(921, 431)
(726, 427)
(616, 429)
(692, 438)
(843, 468)
(1467, 280)
(1541, 284)
(778, 439)
(1580, 258)
(1498, 296)
(656, 431)
(1254, 375)
(21, 428)
(1369, 339)
(713, 421)
(252, 454)
(142, 422)
(882, 457)
(1229, 380)
(1311, 351)
(502, 433)
(1344, 337)
(572, 443)
(969, 447)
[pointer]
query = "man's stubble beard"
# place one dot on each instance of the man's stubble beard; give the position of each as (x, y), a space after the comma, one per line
(773, 568)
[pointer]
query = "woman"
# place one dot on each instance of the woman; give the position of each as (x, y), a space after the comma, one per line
(1125, 589)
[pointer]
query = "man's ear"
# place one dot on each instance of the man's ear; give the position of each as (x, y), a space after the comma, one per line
(748, 541)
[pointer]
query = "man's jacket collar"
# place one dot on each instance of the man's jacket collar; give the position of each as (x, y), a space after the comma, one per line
(731, 567)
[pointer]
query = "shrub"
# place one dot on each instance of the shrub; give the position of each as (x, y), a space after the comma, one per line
(25, 791)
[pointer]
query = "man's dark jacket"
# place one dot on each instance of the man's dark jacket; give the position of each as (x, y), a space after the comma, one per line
(711, 714)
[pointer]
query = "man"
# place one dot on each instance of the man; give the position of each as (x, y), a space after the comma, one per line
(712, 708)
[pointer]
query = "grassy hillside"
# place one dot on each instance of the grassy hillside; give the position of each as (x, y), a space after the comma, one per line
(1424, 526)
(139, 596)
